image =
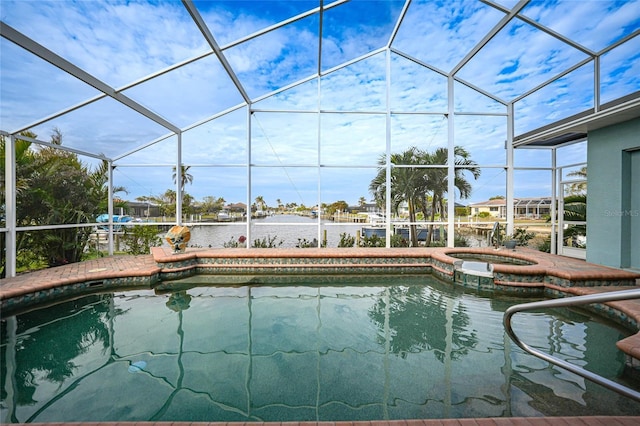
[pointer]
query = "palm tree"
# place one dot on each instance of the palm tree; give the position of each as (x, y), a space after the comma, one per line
(185, 176)
(99, 179)
(260, 202)
(407, 184)
(575, 210)
(578, 188)
(437, 179)
(413, 184)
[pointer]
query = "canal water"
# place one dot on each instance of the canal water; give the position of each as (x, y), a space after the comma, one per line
(289, 230)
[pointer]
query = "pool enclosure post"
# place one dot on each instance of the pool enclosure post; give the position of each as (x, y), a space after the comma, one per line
(249, 183)
(387, 207)
(554, 201)
(319, 138)
(109, 209)
(179, 181)
(451, 164)
(10, 208)
(509, 148)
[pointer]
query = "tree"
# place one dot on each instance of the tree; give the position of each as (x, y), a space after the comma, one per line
(578, 188)
(412, 182)
(437, 181)
(187, 204)
(185, 176)
(407, 184)
(260, 203)
(100, 178)
(167, 202)
(212, 204)
(362, 201)
(55, 188)
(334, 207)
(575, 210)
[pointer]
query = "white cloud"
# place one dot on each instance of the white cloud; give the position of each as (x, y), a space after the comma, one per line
(532, 58)
(441, 33)
(123, 41)
(594, 24)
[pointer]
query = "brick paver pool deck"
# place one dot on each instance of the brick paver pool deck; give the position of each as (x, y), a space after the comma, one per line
(152, 264)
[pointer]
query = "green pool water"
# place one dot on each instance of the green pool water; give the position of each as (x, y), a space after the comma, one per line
(366, 348)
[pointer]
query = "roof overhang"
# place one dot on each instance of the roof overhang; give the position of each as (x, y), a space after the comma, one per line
(575, 128)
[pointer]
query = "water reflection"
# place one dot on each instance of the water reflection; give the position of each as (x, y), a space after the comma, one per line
(44, 346)
(418, 318)
(179, 301)
(241, 353)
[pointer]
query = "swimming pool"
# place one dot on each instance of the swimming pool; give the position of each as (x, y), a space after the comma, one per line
(357, 348)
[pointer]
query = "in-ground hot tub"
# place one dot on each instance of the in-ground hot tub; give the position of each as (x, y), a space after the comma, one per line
(479, 269)
(495, 259)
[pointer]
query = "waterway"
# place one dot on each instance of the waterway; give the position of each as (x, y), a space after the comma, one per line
(289, 230)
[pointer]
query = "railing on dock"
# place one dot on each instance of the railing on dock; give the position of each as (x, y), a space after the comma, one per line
(572, 301)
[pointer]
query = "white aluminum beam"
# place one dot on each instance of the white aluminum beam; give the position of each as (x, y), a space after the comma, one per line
(491, 34)
(120, 89)
(552, 79)
(62, 147)
(204, 29)
(42, 52)
(284, 23)
(403, 13)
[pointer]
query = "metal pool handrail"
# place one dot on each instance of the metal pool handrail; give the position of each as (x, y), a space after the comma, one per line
(572, 301)
(495, 234)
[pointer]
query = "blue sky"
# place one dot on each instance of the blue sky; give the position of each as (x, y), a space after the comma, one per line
(121, 43)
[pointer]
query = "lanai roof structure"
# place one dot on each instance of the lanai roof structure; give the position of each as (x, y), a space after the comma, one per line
(291, 99)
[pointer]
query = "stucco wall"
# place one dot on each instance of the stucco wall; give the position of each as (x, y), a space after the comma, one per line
(613, 195)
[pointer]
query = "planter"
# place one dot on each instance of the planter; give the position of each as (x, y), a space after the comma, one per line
(511, 244)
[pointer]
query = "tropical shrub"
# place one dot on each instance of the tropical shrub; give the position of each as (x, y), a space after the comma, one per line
(545, 246)
(233, 243)
(304, 243)
(522, 236)
(139, 239)
(346, 240)
(398, 240)
(372, 241)
(267, 242)
(55, 188)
